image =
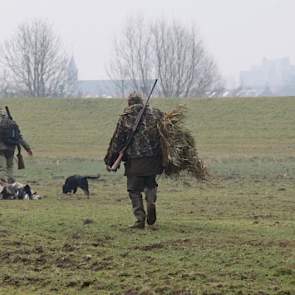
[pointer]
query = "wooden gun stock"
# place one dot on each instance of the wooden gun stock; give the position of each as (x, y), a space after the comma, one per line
(118, 161)
(20, 161)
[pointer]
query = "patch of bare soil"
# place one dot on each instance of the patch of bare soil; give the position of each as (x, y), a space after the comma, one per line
(26, 280)
(150, 247)
(66, 262)
(3, 233)
(287, 244)
(104, 264)
(161, 245)
(201, 242)
(131, 292)
(68, 247)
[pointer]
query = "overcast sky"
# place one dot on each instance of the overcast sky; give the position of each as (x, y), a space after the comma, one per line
(238, 33)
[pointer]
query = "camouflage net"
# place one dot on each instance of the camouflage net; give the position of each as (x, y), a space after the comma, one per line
(178, 147)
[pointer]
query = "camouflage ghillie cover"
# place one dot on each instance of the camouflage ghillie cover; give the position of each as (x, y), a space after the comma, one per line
(146, 141)
(178, 147)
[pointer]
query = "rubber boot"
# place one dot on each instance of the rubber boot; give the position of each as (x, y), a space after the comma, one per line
(138, 210)
(151, 197)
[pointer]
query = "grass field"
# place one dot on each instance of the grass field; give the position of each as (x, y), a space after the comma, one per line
(234, 234)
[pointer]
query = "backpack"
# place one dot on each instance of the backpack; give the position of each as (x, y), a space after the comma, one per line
(9, 132)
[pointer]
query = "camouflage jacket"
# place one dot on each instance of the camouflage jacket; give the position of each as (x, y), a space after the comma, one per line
(146, 141)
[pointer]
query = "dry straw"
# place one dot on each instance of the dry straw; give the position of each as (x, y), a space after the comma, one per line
(178, 146)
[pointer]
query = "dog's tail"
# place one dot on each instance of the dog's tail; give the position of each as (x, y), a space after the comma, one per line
(92, 177)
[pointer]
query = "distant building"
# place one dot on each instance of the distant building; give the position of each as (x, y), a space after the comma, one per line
(71, 87)
(272, 77)
(105, 88)
(96, 88)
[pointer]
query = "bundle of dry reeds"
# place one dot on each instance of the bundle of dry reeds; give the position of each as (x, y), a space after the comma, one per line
(178, 146)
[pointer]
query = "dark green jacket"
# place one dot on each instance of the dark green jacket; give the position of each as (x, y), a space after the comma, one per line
(6, 125)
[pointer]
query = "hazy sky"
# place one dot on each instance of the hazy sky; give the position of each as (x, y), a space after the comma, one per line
(238, 33)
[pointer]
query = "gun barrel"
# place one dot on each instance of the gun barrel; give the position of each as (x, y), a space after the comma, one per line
(8, 113)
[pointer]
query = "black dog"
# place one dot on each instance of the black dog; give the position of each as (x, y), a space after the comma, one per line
(74, 182)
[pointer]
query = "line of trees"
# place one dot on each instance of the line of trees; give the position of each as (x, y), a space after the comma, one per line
(34, 63)
(170, 51)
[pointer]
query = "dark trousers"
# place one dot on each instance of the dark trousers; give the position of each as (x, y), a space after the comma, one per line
(6, 165)
(135, 186)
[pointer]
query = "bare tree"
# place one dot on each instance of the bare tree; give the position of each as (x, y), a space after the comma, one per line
(35, 60)
(71, 82)
(133, 57)
(117, 73)
(169, 51)
(6, 89)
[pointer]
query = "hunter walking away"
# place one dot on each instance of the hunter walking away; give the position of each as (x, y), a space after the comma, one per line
(137, 135)
(140, 140)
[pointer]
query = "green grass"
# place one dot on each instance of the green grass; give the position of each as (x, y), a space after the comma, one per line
(234, 234)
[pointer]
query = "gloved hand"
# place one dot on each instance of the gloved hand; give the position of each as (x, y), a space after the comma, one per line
(30, 153)
(109, 169)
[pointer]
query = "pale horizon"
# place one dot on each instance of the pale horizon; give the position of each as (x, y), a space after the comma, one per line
(237, 33)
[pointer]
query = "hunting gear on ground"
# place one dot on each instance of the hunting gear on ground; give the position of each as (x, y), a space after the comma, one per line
(10, 139)
(142, 157)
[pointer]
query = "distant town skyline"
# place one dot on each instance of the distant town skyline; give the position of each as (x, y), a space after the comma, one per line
(238, 33)
(272, 76)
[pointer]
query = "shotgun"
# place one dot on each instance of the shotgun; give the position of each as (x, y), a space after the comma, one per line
(19, 156)
(116, 164)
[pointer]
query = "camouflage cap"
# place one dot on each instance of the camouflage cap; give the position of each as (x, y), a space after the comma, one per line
(135, 98)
